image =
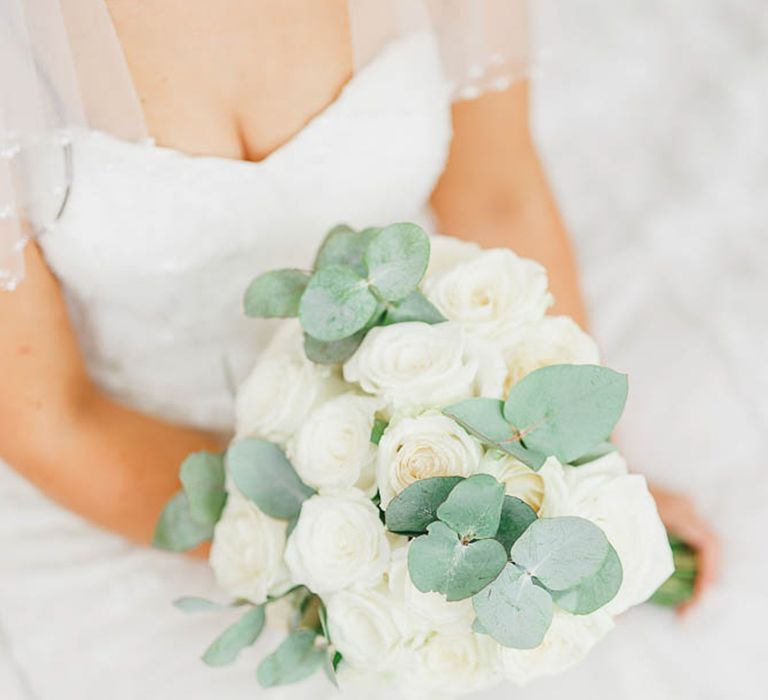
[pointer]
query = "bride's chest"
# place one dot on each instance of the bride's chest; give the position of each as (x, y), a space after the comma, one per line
(144, 215)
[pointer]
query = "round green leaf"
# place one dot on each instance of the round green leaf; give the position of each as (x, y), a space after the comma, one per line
(263, 473)
(344, 246)
(177, 530)
(438, 561)
(565, 410)
(334, 352)
(397, 259)
(516, 517)
(235, 638)
(596, 591)
(484, 419)
(415, 507)
(561, 552)
(293, 661)
(513, 610)
(336, 304)
(473, 507)
(415, 307)
(275, 294)
(202, 477)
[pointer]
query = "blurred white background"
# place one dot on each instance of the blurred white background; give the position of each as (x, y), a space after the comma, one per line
(652, 116)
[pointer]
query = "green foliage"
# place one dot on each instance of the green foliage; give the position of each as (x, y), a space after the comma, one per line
(202, 477)
(264, 474)
(484, 419)
(360, 280)
(679, 587)
(235, 638)
(565, 410)
(396, 260)
(473, 507)
(333, 352)
(600, 450)
(516, 517)
(440, 561)
(275, 294)
(177, 530)
(561, 552)
(294, 660)
(513, 610)
(379, 426)
(415, 307)
(337, 303)
(344, 246)
(595, 592)
(415, 507)
(193, 604)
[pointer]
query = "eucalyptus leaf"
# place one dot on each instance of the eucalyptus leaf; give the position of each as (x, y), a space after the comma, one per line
(336, 304)
(415, 307)
(275, 294)
(263, 473)
(379, 426)
(439, 561)
(484, 419)
(334, 352)
(202, 476)
(177, 530)
(594, 592)
(294, 660)
(561, 552)
(513, 610)
(473, 507)
(516, 517)
(600, 450)
(396, 260)
(235, 638)
(565, 410)
(193, 604)
(415, 507)
(344, 246)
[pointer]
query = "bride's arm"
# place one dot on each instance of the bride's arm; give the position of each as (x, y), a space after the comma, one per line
(494, 192)
(111, 465)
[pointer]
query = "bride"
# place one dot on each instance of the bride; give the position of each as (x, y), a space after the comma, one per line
(204, 143)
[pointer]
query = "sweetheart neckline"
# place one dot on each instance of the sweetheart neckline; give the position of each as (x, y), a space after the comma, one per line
(341, 100)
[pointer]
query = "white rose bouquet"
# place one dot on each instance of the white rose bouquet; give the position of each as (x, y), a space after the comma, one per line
(422, 470)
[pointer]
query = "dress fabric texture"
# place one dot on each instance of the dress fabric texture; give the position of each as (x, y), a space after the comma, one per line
(154, 251)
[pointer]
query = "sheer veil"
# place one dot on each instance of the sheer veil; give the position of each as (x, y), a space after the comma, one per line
(62, 68)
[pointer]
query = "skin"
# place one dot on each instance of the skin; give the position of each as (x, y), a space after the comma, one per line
(204, 96)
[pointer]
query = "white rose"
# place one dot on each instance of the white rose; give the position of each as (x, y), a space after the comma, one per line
(333, 448)
(567, 642)
(618, 502)
(338, 542)
(451, 664)
(276, 397)
(366, 626)
(518, 479)
(554, 340)
(418, 448)
(428, 612)
(491, 294)
(247, 551)
(416, 365)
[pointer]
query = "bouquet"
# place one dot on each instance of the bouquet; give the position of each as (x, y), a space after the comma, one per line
(422, 473)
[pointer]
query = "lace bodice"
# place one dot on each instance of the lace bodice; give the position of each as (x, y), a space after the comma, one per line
(155, 248)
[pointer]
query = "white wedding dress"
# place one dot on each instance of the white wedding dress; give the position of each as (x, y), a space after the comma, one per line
(154, 251)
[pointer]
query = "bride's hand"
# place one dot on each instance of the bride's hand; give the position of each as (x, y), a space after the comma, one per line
(681, 518)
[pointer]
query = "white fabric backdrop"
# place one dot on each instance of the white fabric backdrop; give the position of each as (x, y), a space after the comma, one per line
(651, 115)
